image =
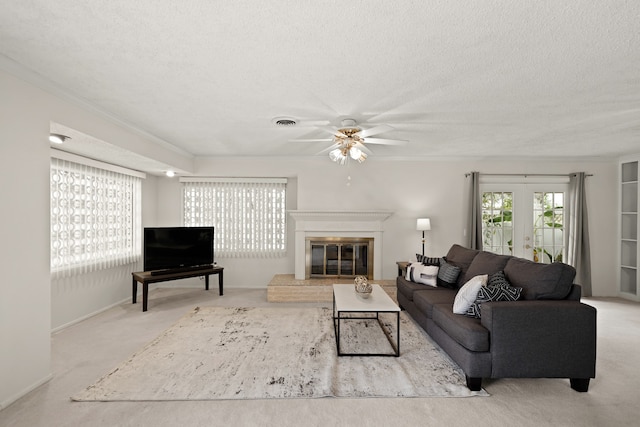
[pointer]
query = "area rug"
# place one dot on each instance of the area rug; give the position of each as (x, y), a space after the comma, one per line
(217, 353)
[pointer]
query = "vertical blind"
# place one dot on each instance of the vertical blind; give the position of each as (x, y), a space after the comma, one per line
(249, 215)
(95, 218)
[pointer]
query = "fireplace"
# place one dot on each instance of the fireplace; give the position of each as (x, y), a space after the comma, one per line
(345, 226)
(339, 257)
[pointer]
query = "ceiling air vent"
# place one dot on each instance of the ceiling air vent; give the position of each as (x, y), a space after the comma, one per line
(284, 121)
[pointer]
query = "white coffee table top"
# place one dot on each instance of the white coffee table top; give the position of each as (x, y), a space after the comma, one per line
(346, 299)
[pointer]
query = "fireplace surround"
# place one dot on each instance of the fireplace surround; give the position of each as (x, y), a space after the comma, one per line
(314, 225)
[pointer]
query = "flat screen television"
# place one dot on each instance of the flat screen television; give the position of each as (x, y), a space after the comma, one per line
(177, 248)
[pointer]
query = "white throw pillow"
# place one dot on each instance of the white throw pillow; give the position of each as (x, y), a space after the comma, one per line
(428, 275)
(468, 293)
(412, 272)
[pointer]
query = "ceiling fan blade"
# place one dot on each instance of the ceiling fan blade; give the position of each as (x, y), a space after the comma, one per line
(312, 140)
(363, 147)
(383, 141)
(331, 130)
(374, 130)
(326, 150)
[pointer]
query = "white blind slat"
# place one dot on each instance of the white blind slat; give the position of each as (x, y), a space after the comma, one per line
(249, 217)
(95, 218)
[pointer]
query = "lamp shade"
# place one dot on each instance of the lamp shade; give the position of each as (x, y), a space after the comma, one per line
(423, 224)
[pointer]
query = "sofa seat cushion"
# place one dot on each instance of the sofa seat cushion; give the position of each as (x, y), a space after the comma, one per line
(466, 331)
(407, 288)
(540, 281)
(425, 299)
(486, 263)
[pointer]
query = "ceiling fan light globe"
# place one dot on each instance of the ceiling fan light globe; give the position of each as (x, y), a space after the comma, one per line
(355, 153)
(335, 154)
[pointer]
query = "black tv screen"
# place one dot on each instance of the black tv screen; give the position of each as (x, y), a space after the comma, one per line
(167, 248)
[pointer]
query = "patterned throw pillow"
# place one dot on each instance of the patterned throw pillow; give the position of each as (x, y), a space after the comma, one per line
(425, 260)
(431, 261)
(448, 275)
(497, 289)
(498, 279)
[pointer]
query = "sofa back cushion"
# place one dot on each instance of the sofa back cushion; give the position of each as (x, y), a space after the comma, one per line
(461, 257)
(540, 281)
(486, 263)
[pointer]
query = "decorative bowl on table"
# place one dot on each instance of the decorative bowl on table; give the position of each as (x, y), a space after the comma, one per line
(363, 288)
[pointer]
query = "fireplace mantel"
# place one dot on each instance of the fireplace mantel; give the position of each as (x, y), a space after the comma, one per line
(338, 224)
(377, 216)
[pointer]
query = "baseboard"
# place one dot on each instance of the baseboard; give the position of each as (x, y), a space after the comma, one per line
(24, 392)
(85, 317)
(122, 301)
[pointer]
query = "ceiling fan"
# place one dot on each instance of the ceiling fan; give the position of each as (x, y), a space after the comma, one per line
(349, 141)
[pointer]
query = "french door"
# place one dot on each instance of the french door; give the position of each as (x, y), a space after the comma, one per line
(524, 220)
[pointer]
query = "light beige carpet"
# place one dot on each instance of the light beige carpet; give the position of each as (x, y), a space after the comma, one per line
(259, 353)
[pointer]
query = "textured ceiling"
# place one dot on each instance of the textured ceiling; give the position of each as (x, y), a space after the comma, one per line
(455, 78)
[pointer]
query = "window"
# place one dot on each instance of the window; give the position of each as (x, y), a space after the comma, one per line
(548, 227)
(497, 222)
(95, 217)
(525, 220)
(249, 215)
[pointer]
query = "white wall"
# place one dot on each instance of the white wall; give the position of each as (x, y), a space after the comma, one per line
(25, 302)
(26, 292)
(410, 189)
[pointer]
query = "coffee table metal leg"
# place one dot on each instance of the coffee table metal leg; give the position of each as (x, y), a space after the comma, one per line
(336, 325)
(394, 345)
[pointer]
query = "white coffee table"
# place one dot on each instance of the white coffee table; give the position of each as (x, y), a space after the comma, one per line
(346, 301)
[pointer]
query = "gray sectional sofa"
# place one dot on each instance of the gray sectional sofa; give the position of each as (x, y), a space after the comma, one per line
(546, 333)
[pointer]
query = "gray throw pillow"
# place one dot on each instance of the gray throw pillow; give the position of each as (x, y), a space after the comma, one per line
(448, 275)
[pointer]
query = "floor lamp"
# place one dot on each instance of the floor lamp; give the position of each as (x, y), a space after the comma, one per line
(423, 224)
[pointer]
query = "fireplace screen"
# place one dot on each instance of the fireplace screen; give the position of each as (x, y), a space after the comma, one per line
(339, 257)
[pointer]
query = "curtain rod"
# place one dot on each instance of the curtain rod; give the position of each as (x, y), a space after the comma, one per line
(527, 174)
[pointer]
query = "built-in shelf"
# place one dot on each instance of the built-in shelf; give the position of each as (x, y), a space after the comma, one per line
(629, 259)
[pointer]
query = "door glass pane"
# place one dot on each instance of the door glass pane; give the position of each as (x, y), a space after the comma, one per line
(548, 227)
(497, 222)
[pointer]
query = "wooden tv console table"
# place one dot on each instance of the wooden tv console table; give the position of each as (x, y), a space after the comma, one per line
(145, 277)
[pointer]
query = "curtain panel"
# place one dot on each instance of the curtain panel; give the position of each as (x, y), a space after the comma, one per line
(249, 215)
(578, 250)
(474, 211)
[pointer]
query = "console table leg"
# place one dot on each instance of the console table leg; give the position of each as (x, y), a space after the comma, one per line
(206, 282)
(145, 296)
(220, 283)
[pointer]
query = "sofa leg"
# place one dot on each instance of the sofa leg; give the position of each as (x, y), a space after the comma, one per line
(474, 383)
(580, 384)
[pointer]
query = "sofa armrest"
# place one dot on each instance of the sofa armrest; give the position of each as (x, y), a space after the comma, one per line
(553, 339)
